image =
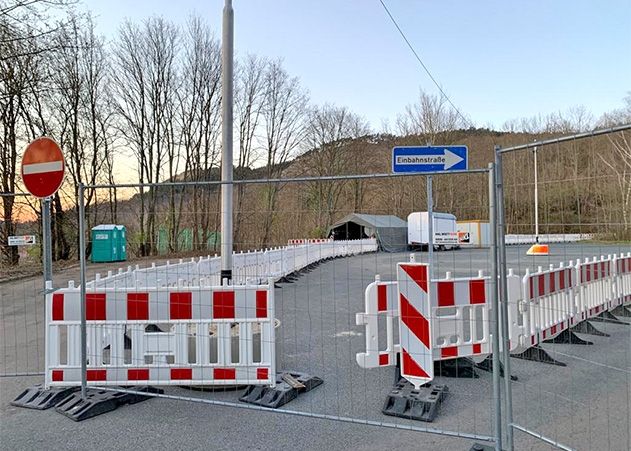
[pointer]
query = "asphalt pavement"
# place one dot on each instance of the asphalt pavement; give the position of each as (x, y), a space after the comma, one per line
(584, 405)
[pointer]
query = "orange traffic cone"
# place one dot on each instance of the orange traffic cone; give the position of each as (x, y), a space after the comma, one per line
(538, 249)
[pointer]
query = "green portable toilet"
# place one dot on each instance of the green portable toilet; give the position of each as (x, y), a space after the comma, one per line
(122, 242)
(105, 243)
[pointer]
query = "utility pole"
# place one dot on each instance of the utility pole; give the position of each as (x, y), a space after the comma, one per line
(227, 52)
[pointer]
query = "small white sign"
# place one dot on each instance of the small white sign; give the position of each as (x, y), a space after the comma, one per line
(24, 240)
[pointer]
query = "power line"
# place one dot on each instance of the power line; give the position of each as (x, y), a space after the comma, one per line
(418, 58)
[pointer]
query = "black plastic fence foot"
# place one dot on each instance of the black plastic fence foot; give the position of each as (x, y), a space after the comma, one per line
(585, 327)
(622, 311)
(282, 393)
(487, 365)
(537, 354)
(98, 402)
(481, 447)
(607, 317)
(459, 368)
(404, 401)
(568, 337)
(37, 397)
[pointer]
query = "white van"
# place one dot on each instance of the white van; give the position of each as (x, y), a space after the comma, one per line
(445, 231)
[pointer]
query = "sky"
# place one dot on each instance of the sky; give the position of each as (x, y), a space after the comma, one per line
(497, 60)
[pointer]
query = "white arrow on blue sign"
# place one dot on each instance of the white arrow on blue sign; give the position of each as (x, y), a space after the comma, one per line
(430, 159)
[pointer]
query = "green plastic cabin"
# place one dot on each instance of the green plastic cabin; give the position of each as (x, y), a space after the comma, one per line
(109, 243)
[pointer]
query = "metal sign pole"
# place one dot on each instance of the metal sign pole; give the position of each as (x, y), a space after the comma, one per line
(47, 248)
(430, 227)
(84, 344)
(495, 342)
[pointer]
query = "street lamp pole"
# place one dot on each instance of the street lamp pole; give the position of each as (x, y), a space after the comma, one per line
(227, 51)
(536, 197)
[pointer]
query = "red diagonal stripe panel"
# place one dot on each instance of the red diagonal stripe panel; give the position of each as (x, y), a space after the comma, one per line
(414, 321)
(418, 274)
(410, 367)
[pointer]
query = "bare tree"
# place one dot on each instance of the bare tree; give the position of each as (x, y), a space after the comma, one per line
(618, 160)
(249, 102)
(144, 85)
(332, 134)
(284, 109)
(200, 120)
(430, 117)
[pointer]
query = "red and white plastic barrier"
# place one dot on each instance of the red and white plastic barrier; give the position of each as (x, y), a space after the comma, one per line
(622, 279)
(550, 297)
(541, 305)
(203, 318)
(595, 287)
(459, 312)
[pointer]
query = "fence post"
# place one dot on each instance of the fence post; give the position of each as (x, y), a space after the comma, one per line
(84, 344)
(497, 413)
(503, 295)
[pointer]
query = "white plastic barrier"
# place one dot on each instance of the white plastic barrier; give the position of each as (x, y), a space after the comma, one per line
(204, 325)
(255, 266)
(547, 238)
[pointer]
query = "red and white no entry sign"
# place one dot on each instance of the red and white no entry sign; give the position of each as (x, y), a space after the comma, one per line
(43, 167)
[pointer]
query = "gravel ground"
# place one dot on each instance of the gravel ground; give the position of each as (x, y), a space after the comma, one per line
(584, 405)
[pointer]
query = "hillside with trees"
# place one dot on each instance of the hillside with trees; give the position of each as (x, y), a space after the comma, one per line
(146, 105)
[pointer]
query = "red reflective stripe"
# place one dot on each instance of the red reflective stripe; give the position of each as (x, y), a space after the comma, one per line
(97, 375)
(541, 283)
(446, 296)
(477, 348)
(57, 375)
(95, 306)
(181, 373)
(261, 304)
(552, 282)
(224, 373)
(58, 307)
(262, 373)
(562, 276)
(410, 367)
(180, 305)
(414, 321)
(137, 306)
(477, 293)
(138, 374)
(384, 359)
(418, 274)
(382, 298)
(223, 304)
(588, 273)
(532, 287)
(451, 351)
